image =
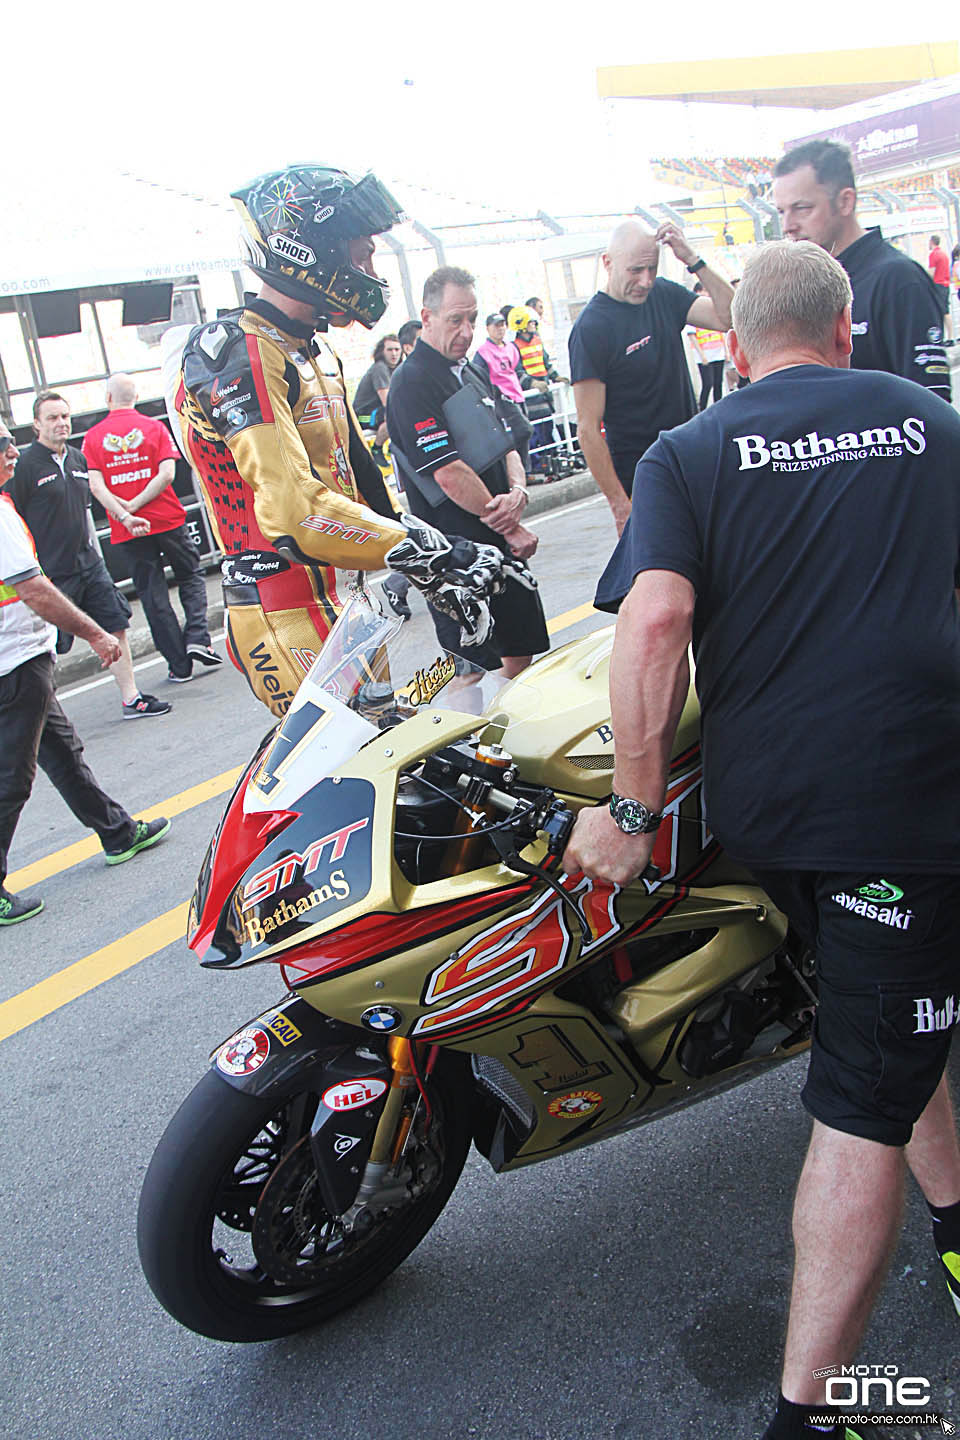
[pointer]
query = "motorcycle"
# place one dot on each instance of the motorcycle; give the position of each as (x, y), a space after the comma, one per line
(394, 848)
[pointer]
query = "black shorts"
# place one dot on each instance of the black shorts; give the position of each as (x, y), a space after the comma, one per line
(888, 966)
(943, 295)
(94, 592)
(519, 628)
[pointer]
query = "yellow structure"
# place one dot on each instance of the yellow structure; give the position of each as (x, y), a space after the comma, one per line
(819, 80)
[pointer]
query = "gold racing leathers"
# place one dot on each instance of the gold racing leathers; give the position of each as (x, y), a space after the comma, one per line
(291, 490)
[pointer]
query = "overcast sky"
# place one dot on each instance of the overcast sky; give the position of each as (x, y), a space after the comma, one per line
(208, 97)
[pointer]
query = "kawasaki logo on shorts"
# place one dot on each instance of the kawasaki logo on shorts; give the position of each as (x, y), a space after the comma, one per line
(883, 914)
(881, 891)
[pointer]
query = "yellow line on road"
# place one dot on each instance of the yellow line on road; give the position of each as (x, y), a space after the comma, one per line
(74, 980)
(83, 849)
(569, 617)
(42, 999)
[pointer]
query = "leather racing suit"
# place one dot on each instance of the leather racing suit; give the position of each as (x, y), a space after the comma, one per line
(291, 490)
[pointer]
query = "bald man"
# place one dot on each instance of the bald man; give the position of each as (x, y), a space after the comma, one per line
(132, 462)
(627, 361)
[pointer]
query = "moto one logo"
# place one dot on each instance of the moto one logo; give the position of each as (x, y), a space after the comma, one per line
(291, 249)
(857, 1387)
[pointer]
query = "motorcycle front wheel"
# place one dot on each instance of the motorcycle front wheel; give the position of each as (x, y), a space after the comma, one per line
(233, 1238)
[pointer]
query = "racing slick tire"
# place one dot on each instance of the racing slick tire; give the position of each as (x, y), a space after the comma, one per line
(207, 1217)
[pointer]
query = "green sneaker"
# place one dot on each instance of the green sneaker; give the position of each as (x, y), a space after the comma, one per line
(14, 908)
(145, 835)
(951, 1263)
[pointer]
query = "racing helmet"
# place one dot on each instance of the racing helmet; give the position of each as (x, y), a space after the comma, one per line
(297, 228)
(522, 318)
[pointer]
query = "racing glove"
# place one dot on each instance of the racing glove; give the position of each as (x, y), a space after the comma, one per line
(457, 576)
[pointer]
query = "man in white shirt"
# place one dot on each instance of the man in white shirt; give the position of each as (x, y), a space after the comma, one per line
(33, 727)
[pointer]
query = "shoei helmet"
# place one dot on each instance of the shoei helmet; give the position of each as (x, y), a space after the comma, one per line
(520, 319)
(297, 228)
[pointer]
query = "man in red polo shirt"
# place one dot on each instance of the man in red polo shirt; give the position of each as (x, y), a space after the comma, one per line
(938, 263)
(132, 461)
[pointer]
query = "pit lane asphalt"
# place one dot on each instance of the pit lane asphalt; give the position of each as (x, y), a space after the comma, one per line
(634, 1290)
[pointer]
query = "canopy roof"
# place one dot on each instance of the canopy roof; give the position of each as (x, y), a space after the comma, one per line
(818, 80)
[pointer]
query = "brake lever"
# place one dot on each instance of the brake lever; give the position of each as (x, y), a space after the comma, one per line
(556, 825)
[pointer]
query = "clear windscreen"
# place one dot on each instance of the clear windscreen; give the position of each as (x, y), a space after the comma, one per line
(374, 672)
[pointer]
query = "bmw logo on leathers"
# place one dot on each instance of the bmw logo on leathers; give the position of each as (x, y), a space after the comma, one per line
(381, 1017)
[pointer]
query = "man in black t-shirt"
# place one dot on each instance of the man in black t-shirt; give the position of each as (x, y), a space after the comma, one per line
(51, 490)
(444, 490)
(897, 314)
(805, 535)
(627, 360)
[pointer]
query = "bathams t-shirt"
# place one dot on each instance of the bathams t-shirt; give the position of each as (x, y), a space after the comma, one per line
(817, 516)
(637, 351)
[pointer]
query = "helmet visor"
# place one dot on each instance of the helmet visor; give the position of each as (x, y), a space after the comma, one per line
(368, 209)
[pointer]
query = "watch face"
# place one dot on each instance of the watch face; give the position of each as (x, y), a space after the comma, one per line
(631, 816)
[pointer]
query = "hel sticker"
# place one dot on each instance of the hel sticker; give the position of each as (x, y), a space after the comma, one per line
(289, 249)
(576, 1105)
(381, 1017)
(881, 890)
(352, 1094)
(245, 1052)
(343, 1144)
(284, 1029)
(322, 212)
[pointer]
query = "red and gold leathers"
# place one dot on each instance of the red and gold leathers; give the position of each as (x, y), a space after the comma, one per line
(285, 476)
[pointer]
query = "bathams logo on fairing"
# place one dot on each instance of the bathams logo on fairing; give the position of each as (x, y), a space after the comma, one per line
(289, 249)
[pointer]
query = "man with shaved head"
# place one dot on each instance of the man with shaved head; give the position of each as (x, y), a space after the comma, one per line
(627, 362)
(132, 462)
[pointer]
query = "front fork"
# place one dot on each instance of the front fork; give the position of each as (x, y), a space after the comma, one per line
(393, 1126)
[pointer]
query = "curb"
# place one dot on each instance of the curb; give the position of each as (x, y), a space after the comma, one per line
(81, 663)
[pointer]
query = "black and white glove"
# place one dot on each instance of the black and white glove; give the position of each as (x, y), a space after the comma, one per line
(457, 576)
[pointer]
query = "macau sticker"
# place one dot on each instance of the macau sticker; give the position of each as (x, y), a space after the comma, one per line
(576, 1105)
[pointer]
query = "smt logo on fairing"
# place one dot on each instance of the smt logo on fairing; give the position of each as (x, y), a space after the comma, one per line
(811, 451)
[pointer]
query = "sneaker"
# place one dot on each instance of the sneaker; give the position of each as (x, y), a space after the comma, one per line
(146, 834)
(205, 654)
(14, 908)
(395, 594)
(144, 706)
(951, 1263)
(179, 679)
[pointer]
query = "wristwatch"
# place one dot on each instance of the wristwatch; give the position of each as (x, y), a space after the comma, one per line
(632, 816)
(698, 264)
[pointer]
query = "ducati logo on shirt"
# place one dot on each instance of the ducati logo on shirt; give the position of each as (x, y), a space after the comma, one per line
(121, 444)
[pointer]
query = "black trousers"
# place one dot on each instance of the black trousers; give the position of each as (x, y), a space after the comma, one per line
(147, 556)
(711, 378)
(33, 728)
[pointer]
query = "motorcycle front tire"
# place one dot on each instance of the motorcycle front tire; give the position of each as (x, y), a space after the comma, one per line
(215, 1157)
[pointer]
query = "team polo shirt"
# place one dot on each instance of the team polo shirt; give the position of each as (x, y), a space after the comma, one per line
(23, 633)
(637, 351)
(53, 496)
(817, 516)
(418, 392)
(128, 449)
(897, 314)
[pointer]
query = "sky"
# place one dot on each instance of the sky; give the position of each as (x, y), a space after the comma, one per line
(498, 104)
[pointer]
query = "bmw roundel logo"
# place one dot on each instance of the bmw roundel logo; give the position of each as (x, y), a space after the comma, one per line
(381, 1017)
